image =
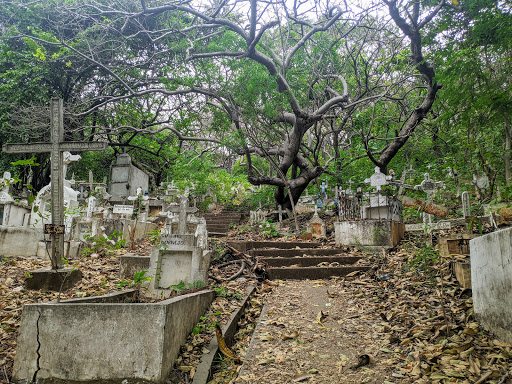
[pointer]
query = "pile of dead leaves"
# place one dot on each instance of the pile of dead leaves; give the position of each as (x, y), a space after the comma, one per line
(428, 324)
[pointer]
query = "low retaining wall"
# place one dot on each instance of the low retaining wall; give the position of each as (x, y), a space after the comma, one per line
(104, 342)
(19, 241)
(369, 233)
(491, 282)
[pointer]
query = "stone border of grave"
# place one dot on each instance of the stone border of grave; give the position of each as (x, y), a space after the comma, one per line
(99, 340)
(204, 369)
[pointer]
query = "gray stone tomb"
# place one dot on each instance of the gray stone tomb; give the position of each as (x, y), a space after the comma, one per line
(125, 179)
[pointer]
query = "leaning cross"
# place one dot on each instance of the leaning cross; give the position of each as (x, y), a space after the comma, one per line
(56, 147)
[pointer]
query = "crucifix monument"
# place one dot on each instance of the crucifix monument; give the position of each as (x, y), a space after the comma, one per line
(56, 147)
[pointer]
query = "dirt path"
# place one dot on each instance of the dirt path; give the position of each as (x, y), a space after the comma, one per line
(323, 351)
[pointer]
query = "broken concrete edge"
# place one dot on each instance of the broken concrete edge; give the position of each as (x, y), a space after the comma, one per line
(204, 369)
(250, 348)
(47, 279)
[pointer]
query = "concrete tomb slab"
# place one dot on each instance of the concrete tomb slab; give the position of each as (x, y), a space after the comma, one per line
(130, 264)
(369, 233)
(46, 279)
(105, 342)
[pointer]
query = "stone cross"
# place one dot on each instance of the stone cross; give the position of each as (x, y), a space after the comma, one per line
(56, 147)
(378, 179)
(349, 190)
(465, 204)
(183, 210)
(429, 186)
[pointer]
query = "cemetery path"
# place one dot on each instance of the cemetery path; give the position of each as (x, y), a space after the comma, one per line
(315, 330)
(407, 314)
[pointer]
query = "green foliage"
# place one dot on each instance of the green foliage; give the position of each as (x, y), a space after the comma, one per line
(138, 279)
(104, 246)
(154, 236)
(206, 322)
(224, 292)
(268, 229)
(182, 286)
(423, 261)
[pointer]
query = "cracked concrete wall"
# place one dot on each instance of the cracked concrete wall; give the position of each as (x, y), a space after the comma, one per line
(491, 281)
(91, 342)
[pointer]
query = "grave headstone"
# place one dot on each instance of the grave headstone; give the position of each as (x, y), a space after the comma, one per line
(466, 205)
(316, 226)
(91, 204)
(126, 178)
(180, 259)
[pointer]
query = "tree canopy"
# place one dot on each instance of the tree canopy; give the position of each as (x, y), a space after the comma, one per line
(296, 89)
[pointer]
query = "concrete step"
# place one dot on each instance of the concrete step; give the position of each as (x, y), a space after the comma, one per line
(276, 262)
(216, 234)
(217, 228)
(295, 252)
(311, 273)
(244, 246)
(224, 222)
(222, 216)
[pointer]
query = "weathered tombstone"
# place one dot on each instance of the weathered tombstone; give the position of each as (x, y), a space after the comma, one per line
(178, 259)
(91, 204)
(125, 178)
(12, 213)
(178, 216)
(53, 279)
(466, 206)
(491, 282)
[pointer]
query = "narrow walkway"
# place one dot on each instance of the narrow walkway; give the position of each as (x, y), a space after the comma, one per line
(319, 347)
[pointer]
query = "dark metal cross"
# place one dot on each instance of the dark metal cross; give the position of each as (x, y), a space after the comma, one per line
(56, 147)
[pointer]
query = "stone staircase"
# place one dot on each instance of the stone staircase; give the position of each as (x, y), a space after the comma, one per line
(218, 224)
(299, 260)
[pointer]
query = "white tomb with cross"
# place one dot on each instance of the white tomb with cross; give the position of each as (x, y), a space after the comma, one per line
(183, 254)
(56, 147)
(381, 207)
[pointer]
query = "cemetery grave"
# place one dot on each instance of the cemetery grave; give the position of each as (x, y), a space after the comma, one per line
(369, 294)
(338, 301)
